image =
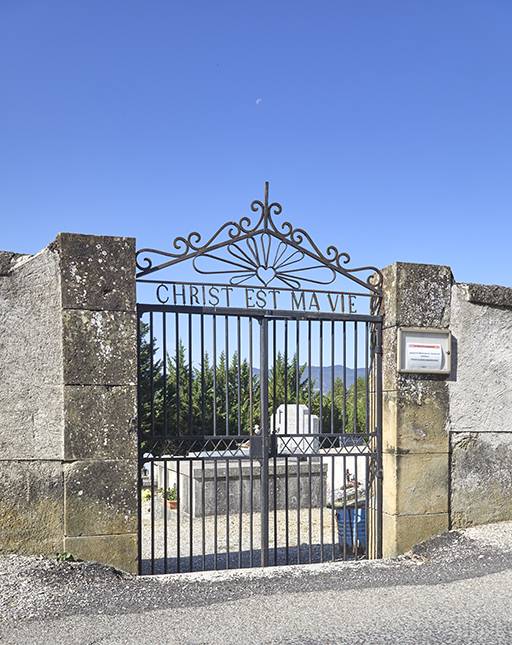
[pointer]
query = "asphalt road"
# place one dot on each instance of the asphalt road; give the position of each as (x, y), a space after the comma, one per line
(452, 590)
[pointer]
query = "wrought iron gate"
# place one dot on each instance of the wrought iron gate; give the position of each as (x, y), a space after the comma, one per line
(259, 406)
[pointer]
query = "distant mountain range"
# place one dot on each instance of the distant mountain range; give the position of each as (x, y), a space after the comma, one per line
(326, 376)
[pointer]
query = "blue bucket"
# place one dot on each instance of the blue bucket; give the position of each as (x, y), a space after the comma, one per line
(352, 526)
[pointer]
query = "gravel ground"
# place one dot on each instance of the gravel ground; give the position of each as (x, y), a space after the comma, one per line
(33, 588)
(315, 526)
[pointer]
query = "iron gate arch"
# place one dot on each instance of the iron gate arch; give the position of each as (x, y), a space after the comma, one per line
(264, 423)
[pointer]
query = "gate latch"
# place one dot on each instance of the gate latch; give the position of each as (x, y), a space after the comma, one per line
(257, 443)
(272, 446)
(256, 447)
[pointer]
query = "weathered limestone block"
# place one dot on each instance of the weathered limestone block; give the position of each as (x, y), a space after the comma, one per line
(415, 417)
(489, 294)
(119, 551)
(417, 295)
(101, 422)
(98, 273)
(7, 260)
(415, 411)
(31, 507)
(100, 348)
(402, 532)
(481, 395)
(100, 497)
(389, 359)
(31, 418)
(415, 484)
(481, 478)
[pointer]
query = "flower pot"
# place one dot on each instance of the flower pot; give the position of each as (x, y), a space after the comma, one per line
(172, 504)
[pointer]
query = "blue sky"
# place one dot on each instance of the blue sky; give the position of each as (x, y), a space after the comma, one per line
(383, 127)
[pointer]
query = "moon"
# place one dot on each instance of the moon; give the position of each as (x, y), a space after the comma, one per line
(258, 101)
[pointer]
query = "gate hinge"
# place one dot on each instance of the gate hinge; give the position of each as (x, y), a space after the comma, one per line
(378, 349)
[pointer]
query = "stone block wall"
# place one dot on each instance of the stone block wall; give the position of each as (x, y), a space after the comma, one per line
(415, 412)
(68, 404)
(447, 439)
(480, 423)
(68, 401)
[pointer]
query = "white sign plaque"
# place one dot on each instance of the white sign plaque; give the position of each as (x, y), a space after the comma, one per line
(420, 356)
(424, 351)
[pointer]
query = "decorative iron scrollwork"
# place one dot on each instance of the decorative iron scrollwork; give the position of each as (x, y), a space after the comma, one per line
(263, 253)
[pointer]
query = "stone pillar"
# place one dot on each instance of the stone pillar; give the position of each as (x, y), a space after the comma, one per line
(415, 412)
(100, 398)
(68, 400)
(31, 404)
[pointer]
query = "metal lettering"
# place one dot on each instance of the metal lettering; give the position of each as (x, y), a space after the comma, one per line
(296, 303)
(274, 292)
(351, 304)
(314, 302)
(261, 298)
(248, 303)
(193, 295)
(158, 293)
(179, 295)
(213, 295)
(227, 290)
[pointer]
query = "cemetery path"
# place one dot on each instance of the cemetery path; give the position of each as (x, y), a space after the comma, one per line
(310, 526)
(456, 588)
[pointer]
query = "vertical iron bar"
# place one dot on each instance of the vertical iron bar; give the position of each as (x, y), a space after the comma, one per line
(356, 508)
(309, 510)
(298, 509)
(191, 515)
(274, 477)
(178, 522)
(190, 377)
(227, 371)
(165, 486)
(164, 364)
(203, 410)
(152, 372)
(286, 378)
(251, 519)
(332, 377)
(285, 432)
(322, 508)
(274, 375)
(203, 518)
(300, 440)
(251, 402)
(344, 377)
(333, 511)
(152, 519)
(215, 509)
(309, 377)
(139, 449)
(379, 441)
(265, 439)
(227, 514)
(240, 503)
(355, 378)
(297, 376)
(239, 385)
(286, 508)
(321, 349)
(274, 427)
(345, 482)
(178, 411)
(214, 321)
